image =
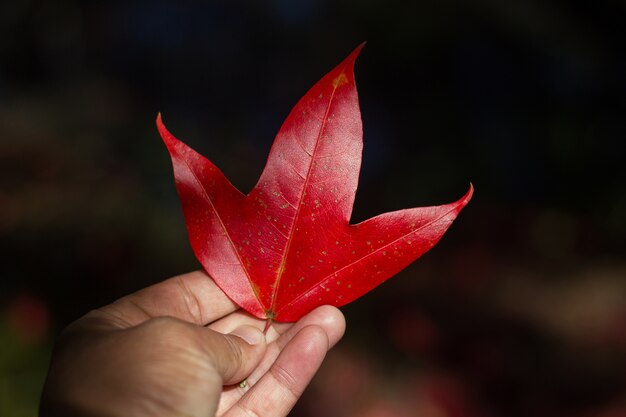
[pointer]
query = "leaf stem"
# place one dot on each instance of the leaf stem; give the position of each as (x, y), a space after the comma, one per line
(270, 319)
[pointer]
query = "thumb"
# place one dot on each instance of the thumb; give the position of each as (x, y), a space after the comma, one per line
(234, 356)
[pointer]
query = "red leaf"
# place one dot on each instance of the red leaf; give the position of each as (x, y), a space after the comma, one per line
(288, 247)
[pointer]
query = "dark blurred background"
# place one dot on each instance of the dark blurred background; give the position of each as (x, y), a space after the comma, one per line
(521, 308)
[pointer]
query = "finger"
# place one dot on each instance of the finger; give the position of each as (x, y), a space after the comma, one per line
(192, 297)
(206, 358)
(235, 355)
(277, 392)
(238, 318)
(329, 318)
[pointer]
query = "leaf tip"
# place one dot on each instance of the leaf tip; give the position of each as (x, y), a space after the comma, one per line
(468, 195)
(355, 53)
(159, 123)
(167, 137)
(346, 77)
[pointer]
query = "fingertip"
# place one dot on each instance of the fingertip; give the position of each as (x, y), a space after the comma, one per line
(317, 341)
(250, 334)
(331, 320)
(236, 354)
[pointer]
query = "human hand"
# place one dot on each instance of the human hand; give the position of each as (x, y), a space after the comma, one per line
(178, 348)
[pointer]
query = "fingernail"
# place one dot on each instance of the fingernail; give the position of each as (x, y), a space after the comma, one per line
(250, 334)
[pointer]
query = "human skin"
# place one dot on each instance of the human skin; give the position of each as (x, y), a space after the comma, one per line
(183, 348)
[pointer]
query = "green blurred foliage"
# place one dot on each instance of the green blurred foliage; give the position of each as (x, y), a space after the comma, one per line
(23, 365)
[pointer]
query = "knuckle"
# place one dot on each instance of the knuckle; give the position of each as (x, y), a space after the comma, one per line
(246, 411)
(166, 329)
(191, 301)
(163, 323)
(285, 379)
(235, 351)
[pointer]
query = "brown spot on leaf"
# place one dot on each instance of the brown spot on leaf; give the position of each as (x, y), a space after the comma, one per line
(340, 80)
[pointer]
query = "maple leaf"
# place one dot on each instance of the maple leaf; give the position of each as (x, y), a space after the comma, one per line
(288, 247)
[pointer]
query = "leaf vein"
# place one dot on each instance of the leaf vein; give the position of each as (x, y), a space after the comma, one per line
(333, 274)
(302, 195)
(230, 240)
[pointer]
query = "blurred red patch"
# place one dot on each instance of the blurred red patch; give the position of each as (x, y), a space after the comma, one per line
(443, 395)
(27, 318)
(413, 332)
